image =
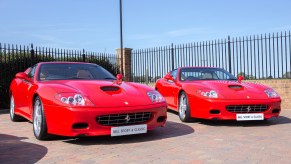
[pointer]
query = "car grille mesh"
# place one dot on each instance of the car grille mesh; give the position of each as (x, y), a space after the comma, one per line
(124, 119)
(258, 108)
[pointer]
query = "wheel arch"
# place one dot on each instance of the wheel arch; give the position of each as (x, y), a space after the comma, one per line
(35, 95)
(180, 92)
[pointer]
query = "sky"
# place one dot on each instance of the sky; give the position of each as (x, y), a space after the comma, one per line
(94, 25)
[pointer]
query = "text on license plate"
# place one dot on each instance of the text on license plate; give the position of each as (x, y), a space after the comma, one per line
(128, 130)
(249, 116)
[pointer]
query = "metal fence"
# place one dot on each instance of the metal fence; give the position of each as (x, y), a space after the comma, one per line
(255, 57)
(14, 59)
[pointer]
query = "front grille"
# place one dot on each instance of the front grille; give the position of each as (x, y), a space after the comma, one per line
(258, 108)
(124, 119)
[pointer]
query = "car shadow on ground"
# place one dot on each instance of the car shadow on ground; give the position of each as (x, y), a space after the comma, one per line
(172, 129)
(269, 122)
(12, 149)
(4, 111)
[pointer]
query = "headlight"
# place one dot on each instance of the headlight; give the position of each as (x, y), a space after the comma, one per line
(208, 93)
(155, 96)
(73, 99)
(271, 93)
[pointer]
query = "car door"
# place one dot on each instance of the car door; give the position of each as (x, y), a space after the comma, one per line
(26, 89)
(169, 88)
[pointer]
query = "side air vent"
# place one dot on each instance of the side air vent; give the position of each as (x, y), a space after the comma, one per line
(109, 88)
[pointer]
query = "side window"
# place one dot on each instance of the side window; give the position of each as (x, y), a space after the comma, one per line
(31, 72)
(174, 74)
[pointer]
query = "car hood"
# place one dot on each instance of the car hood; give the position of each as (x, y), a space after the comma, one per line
(106, 93)
(234, 89)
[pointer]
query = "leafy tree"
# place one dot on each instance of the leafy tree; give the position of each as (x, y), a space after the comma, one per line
(246, 76)
(287, 75)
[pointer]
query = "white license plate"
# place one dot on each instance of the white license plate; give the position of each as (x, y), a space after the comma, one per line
(249, 116)
(128, 130)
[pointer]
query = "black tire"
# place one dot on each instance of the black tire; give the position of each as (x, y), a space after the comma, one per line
(183, 108)
(13, 116)
(39, 120)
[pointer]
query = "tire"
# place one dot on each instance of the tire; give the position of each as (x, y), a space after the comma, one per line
(13, 116)
(39, 120)
(183, 108)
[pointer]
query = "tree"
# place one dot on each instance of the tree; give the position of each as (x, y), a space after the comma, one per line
(287, 75)
(246, 76)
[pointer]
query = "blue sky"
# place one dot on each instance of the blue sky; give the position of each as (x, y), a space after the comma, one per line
(94, 24)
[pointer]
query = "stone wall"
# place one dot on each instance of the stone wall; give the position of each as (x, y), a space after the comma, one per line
(282, 87)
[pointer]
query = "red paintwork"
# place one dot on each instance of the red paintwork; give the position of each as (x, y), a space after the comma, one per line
(60, 117)
(240, 78)
(200, 106)
(119, 77)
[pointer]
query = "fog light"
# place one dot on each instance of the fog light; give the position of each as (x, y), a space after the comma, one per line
(161, 119)
(275, 110)
(80, 126)
(214, 111)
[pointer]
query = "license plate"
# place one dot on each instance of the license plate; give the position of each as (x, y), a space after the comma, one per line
(128, 130)
(250, 116)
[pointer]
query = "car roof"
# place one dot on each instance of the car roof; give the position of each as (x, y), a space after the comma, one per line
(65, 63)
(198, 67)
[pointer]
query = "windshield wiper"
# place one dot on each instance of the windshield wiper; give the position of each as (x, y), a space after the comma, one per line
(109, 78)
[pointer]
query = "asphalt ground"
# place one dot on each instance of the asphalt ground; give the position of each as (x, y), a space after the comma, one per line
(196, 142)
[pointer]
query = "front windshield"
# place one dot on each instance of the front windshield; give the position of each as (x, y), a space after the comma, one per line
(73, 71)
(190, 74)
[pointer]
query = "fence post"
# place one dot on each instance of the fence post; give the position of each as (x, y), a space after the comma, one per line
(147, 76)
(32, 55)
(83, 55)
(229, 55)
(172, 55)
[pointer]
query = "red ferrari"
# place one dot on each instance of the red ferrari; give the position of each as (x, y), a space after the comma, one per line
(213, 93)
(82, 99)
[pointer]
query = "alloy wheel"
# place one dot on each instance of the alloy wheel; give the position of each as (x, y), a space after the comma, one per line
(37, 117)
(183, 106)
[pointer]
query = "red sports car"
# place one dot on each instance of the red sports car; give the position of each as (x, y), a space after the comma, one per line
(213, 93)
(82, 99)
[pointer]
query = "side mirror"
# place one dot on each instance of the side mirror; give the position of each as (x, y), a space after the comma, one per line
(240, 78)
(168, 77)
(21, 75)
(119, 77)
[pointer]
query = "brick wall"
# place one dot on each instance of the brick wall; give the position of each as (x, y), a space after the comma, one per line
(126, 62)
(282, 87)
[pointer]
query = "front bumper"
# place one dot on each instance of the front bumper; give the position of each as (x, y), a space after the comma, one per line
(216, 108)
(81, 121)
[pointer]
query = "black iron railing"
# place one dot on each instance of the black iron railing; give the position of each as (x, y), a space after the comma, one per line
(255, 57)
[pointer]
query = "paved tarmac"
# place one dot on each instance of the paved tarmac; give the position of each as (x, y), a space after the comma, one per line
(196, 142)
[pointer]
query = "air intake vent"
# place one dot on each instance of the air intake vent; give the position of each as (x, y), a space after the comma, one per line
(252, 108)
(235, 87)
(109, 88)
(124, 119)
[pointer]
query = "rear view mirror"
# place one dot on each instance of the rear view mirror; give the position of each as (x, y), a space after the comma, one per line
(21, 75)
(119, 77)
(240, 78)
(168, 77)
